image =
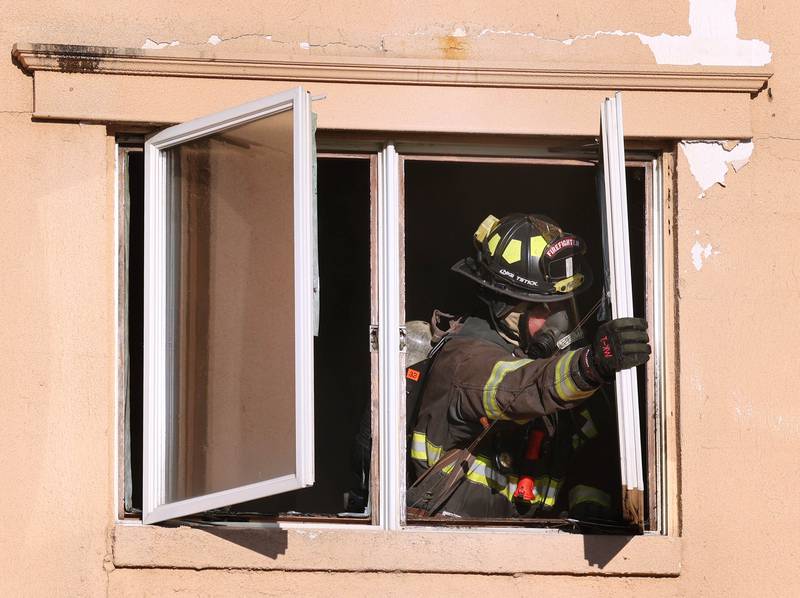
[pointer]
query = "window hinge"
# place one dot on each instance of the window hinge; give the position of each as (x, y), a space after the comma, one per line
(373, 338)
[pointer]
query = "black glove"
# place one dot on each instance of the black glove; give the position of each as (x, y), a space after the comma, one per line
(618, 345)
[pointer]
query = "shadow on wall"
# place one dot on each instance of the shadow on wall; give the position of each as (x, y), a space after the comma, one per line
(599, 550)
(270, 542)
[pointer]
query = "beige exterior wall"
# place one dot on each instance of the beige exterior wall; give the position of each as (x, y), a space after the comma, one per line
(736, 294)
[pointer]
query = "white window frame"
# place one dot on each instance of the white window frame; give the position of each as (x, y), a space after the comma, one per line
(392, 387)
(159, 313)
(391, 423)
(620, 293)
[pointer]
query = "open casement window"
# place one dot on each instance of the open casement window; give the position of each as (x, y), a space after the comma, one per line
(614, 214)
(453, 187)
(229, 308)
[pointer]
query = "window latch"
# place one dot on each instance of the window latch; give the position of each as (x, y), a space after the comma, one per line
(403, 339)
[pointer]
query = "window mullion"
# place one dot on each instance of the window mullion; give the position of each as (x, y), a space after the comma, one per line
(392, 416)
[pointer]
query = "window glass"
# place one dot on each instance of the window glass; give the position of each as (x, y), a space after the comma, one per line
(234, 410)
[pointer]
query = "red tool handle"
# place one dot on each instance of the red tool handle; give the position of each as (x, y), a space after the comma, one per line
(526, 487)
(534, 445)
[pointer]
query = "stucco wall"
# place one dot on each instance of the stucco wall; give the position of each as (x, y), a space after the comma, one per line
(737, 294)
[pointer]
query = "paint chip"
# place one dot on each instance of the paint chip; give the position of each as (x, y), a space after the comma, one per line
(709, 160)
(459, 32)
(699, 253)
(713, 39)
(150, 44)
(305, 45)
(214, 40)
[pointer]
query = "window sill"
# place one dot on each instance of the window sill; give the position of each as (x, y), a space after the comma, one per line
(370, 549)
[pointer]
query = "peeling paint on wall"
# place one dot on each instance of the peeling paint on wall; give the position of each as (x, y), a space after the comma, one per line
(713, 39)
(709, 160)
(700, 253)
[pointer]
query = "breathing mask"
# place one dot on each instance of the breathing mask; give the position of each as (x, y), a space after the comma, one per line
(557, 332)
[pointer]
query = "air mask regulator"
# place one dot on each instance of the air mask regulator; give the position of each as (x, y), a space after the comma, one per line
(554, 335)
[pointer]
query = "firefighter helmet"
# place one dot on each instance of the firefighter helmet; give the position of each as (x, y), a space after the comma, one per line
(528, 258)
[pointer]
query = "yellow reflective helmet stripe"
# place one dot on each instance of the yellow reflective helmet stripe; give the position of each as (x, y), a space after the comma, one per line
(486, 227)
(513, 251)
(493, 243)
(564, 384)
(588, 494)
(537, 245)
(500, 370)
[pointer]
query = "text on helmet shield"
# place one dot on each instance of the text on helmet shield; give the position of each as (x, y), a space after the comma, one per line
(518, 278)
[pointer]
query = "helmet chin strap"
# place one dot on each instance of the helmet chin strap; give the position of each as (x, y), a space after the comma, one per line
(510, 332)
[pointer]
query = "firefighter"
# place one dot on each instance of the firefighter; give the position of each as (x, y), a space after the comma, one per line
(509, 401)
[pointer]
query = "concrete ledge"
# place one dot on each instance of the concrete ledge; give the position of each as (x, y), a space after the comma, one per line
(366, 549)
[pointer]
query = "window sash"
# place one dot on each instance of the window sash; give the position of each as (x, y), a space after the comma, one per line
(615, 200)
(160, 307)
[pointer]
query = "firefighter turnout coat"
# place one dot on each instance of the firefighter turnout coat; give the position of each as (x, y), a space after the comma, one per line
(477, 374)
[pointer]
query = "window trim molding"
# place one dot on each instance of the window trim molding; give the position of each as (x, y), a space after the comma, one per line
(182, 62)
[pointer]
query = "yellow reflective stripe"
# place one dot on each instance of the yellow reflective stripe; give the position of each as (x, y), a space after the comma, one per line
(537, 245)
(513, 251)
(583, 494)
(485, 227)
(589, 430)
(423, 449)
(493, 243)
(481, 472)
(564, 385)
(418, 447)
(484, 474)
(499, 371)
(552, 487)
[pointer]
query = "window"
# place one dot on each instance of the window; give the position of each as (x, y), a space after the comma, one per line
(230, 359)
(226, 351)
